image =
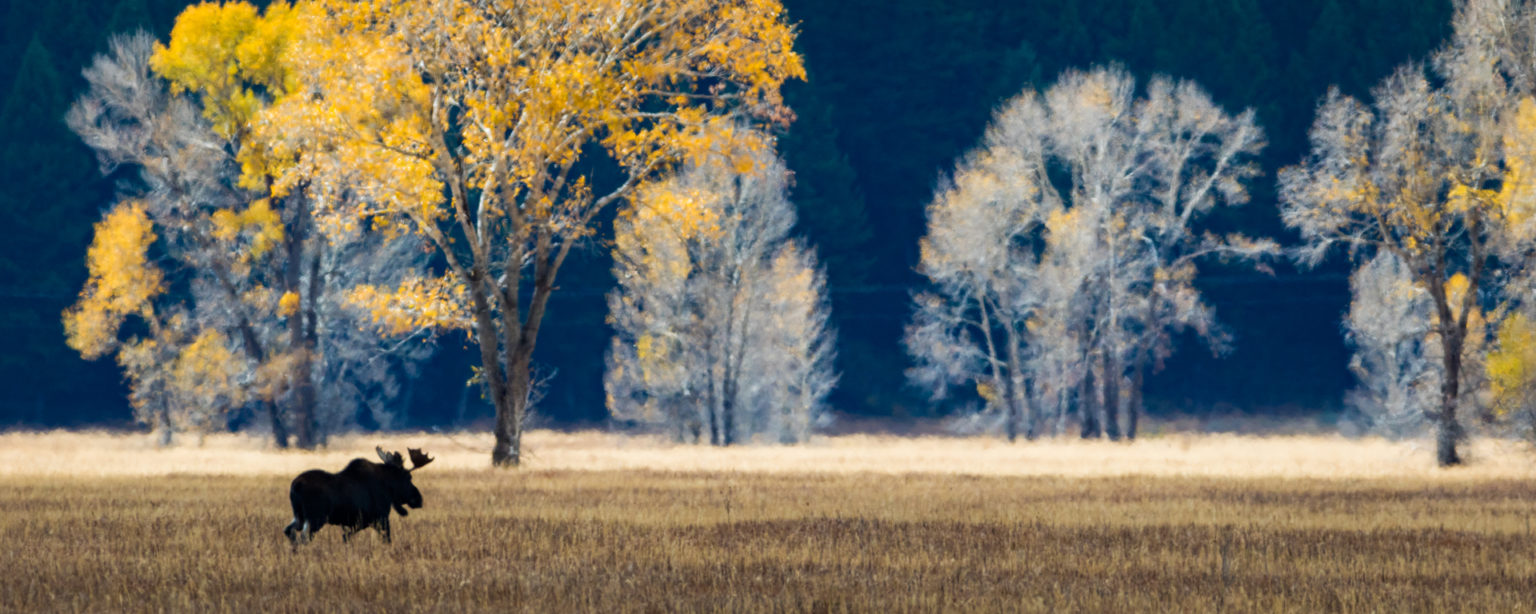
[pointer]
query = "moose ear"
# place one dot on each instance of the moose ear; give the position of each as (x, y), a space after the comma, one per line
(418, 458)
(390, 458)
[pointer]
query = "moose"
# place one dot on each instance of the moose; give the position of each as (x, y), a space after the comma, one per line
(358, 497)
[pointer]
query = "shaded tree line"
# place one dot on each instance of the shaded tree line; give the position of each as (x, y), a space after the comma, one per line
(865, 153)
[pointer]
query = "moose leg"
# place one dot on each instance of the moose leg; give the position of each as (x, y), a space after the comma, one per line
(314, 520)
(298, 526)
(298, 532)
(383, 526)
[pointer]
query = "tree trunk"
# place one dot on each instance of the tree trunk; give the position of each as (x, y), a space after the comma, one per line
(1011, 416)
(1452, 336)
(166, 431)
(728, 414)
(1449, 430)
(729, 387)
(727, 401)
(714, 423)
(312, 344)
(301, 377)
(1133, 412)
(712, 392)
(279, 430)
(306, 428)
(1087, 410)
(1017, 396)
(1111, 401)
(1031, 414)
(509, 421)
(496, 383)
(1063, 397)
(674, 411)
(693, 421)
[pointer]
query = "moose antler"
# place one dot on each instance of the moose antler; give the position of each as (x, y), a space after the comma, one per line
(391, 458)
(418, 458)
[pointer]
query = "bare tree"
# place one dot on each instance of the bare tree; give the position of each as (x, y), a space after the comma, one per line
(1388, 326)
(1428, 174)
(721, 320)
(1062, 250)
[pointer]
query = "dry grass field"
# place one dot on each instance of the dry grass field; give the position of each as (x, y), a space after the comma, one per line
(595, 522)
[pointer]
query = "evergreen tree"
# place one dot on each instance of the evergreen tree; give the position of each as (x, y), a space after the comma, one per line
(46, 212)
(1071, 45)
(1248, 67)
(130, 15)
(1144, 29)
(831, 212)
(1329, 43)
(1017, 69)
(826, 189)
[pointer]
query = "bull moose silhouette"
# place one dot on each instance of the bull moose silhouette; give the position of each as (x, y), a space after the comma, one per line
(358, 497)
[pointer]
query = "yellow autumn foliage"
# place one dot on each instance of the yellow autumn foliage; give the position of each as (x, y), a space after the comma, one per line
(1517, 194)
(122, 280)
(288, 304)
(1511, 366)
(206, 368)
(414, 305)
(224, 52)
(533, 87)
(258, 224)
(234, 58)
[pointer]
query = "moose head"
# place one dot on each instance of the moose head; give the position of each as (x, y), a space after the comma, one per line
(403, 492)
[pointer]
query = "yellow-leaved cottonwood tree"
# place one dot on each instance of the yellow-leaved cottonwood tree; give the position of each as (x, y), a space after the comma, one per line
(499, 130)
(1062, 250)
(1435, 176)
(242, 310)
(720, 318)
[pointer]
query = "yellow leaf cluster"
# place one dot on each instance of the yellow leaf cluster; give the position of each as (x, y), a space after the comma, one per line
(257, 224)
(207, 368)
(1517, 194)
(356, 129)
(288, 304)
(228, 54)
(987, 392)
(236, 60)
(416, 304)
(1511, 367)
(644, 348)
(122, 280)
(1455, 292)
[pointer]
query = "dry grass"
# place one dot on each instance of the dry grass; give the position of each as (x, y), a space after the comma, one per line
(1230, 456)
(98, 523)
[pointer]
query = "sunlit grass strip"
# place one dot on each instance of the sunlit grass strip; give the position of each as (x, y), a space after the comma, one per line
(97, 454)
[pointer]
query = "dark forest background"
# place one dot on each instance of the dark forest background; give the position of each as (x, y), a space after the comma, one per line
(897, 90)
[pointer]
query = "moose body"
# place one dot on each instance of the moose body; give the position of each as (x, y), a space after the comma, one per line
(358, 497)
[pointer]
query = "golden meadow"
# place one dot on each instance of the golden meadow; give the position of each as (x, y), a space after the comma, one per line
(606, 523)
